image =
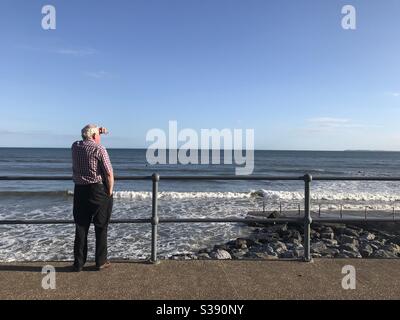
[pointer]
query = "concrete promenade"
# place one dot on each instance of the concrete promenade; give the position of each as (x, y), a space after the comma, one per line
(376, 279)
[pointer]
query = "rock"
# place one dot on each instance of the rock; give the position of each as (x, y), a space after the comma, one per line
(288, 255)
(327, 235)
(327, 229)
(366, 250)
(330, 242)
(296, 235)
(351, 232)
(220, 254)
(330, 253)
(203, 256)
(289, 246)
(383, 254)
(273, 215)
(367, 236)
(317, 247)
(349, 247)
(183, 256)
(337, 227)
(346, 239)
(268, 237)
(298, 252)
(297, 242)
(262, 255)
(314, 234)
(241, 243)
(205, 250)
(349, 254)
(277, 228)
(392, 248)
(375, 246)
(348, 232)
(239, 254)
(221, 247)
(266, 248)
(278, 247)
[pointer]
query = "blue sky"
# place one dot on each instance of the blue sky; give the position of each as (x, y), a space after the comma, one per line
(286, 69)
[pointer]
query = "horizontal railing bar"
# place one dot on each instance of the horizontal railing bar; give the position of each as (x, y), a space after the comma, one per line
(68, 178)
(162, 220)
(229, 220)
(357, 220)
(50, 221)
(209, 177)
(243, 178)
(327, 178)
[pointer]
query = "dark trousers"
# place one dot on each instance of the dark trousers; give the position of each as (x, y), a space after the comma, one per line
(91, 204)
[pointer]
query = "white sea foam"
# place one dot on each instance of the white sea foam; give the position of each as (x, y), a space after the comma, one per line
(182, 195)
(330, 196)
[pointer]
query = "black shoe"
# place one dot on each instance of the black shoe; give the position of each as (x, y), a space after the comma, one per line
(106, 265)
(76, 268)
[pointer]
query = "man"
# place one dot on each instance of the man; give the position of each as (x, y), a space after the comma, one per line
(94, 182)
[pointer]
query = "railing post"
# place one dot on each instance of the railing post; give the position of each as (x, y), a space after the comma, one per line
(154, 218)
(307, 218)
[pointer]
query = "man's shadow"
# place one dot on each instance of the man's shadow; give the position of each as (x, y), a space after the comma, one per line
(62, 269)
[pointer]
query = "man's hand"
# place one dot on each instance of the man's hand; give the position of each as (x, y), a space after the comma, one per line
(103, 130)
(110, 183)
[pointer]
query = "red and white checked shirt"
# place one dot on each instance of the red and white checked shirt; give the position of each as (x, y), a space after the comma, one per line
(90, 162)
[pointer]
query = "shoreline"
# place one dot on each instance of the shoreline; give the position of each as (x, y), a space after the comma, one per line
(328, 240)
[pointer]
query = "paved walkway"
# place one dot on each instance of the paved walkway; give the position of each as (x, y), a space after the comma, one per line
(376, 279)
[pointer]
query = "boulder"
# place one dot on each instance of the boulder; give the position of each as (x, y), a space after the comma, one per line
(327, 229)
(349, 247)
(262, 255)
(221, 247)
(278, 247)
(349, 254)
(297, 242)
(241, 243)
(330, 253)
(346, 239)
(330, 242)
(327, 235)
(220, 254)
(348, 232)
(268, 237)
(274, 215)
(383, 254)
(277, 228)
(366, 250)
(203, 256)
(298, 252)
(317, 247)
(392, 248)
(367, 236)
(239, 254)
(288, 255)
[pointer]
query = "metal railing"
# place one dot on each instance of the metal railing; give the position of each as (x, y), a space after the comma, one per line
(306, 220)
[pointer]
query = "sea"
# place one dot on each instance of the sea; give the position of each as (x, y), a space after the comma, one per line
(183, 199)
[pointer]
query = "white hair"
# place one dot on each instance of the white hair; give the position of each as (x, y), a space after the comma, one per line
(88, 131)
